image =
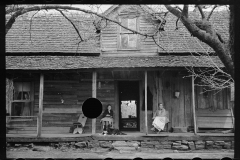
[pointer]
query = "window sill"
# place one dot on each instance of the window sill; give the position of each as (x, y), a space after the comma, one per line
(21, 120)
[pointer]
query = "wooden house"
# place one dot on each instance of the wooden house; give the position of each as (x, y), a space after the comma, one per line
(57, 74)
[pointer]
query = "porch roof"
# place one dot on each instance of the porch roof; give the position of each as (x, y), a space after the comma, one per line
(85, 62)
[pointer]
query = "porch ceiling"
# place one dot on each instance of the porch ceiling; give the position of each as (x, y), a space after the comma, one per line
(84, 62)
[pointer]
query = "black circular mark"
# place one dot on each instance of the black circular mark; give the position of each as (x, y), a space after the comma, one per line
(167, 158)
(92, 108)
(226, 158)
(138, 158)
(197, 158)
(108, 159)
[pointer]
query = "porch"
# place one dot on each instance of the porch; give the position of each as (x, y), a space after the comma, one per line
(56, 98)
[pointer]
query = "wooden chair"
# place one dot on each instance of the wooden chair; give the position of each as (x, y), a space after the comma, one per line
(166, 127)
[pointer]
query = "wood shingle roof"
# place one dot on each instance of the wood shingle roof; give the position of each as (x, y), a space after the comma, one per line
(88, 62)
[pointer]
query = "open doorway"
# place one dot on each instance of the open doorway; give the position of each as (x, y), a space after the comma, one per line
(129, 105)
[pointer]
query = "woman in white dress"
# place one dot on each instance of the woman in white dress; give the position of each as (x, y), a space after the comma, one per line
(160, 118)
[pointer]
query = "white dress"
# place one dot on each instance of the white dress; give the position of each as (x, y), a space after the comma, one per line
(160, 119)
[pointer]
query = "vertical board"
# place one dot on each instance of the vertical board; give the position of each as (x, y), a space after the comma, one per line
(39, 119)
(193, 106)
(146, 112)
(116, 106)
(94, 95)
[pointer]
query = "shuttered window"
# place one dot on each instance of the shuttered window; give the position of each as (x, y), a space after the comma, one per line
(127, 39)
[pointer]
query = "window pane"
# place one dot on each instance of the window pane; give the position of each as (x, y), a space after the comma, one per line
(132, 41)
(124, 22)
(21, 90)
(132, 24)
(21, 109)
(124, 41)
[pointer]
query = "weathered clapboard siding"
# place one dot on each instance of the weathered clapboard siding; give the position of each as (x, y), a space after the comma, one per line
(180, 113)
(74, 94)
(58, 117)
(109, 35)
(212, 99)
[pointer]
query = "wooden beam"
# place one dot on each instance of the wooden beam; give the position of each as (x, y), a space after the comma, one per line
(94, 95)
(146, 125)
(39, 120)
(193, 105)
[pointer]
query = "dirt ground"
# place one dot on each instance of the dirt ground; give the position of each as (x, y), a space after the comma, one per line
(100, 153)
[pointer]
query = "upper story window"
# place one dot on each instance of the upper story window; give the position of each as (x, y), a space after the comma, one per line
(127, 39)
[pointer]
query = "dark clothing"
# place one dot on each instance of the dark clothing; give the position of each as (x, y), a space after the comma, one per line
(106, 112)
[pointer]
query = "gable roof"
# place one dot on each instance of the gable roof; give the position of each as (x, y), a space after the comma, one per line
(179, 41)
(83, 62)
(51, 32)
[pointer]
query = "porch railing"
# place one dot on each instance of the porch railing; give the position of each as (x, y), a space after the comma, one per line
(19, 128)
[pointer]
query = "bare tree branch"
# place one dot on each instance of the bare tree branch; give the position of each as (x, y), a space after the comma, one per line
(158, 44)
(14, 9)
(177, 24)
(72, 24)
(30, 28)
(174, 11)
(201, 11)
(209, 38)
(48, 7)
(209, 16)
(185, 11)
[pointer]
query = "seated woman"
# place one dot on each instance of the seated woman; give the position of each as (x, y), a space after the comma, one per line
(160, 118)
(107, 117)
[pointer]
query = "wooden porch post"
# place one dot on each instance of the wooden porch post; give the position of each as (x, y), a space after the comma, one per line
(146, 103)
(39, 119)
(193, 105)
(94, 95)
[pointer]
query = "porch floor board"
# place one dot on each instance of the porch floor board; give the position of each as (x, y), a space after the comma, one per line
(130, 136)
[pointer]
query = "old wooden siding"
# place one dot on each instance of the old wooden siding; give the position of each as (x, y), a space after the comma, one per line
(109, 36)
(58, 117)
(212, 100)
(163, 85)
(57, 114)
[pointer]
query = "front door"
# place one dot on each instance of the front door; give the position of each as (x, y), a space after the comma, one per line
(129, 105)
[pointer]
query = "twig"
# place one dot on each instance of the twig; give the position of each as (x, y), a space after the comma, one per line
(185, 11)
(177, 24)
(31, 26)
(201, 11)
(209, 16)
(157, 43)
(71, 23)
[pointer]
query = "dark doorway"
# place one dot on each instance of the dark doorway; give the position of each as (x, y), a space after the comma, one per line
(129, 105)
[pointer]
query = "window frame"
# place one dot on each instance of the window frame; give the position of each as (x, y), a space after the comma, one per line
(120, 32)
(30, 99)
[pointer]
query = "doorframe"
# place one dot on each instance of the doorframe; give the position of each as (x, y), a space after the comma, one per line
(117, 105)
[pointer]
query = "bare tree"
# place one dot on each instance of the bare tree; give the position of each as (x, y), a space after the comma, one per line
(202, 29)
(205, 32)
